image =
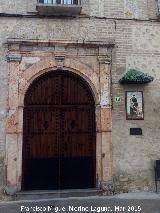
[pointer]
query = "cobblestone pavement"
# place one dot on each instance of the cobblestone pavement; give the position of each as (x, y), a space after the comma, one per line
(124, 204)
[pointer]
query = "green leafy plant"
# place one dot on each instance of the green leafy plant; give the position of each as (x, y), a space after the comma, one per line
(135, 76)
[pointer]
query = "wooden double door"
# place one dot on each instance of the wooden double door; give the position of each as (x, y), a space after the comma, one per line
(59, 148)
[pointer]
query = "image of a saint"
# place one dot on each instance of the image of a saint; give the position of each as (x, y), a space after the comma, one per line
(133, 106)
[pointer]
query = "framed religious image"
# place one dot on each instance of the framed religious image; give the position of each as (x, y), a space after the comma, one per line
(134, 105)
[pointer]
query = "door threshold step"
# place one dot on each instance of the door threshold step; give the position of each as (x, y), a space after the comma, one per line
(49, 194)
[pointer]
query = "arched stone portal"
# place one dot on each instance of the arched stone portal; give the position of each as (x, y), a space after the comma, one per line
(24, 69)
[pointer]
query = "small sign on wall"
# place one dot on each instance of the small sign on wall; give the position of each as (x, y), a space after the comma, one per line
(135, 131)
(117, 99)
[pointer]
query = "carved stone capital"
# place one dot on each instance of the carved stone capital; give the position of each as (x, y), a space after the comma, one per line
(104, 59)
(14, 58)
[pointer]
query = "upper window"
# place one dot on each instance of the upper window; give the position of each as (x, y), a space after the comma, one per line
(76, 2)
(59, 7)
(158, 1)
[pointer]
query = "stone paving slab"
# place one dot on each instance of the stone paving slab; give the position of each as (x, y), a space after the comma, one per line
(132, 202)
(138, 195)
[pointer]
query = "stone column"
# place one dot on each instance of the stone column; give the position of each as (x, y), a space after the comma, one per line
(12, 123)
(105, 119)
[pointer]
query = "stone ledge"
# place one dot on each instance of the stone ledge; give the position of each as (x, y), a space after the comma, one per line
(36, 42)
(14, 58)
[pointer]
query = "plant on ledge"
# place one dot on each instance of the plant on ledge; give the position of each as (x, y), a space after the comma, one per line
(135, 77)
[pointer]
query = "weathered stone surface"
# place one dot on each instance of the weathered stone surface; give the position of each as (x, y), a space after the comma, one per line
(10, 190)
(100, 8)
(12, 122)
(137, 46)
(108, 188)
(11, 159)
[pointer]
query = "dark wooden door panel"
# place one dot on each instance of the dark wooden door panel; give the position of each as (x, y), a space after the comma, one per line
(74, 91)
(44, 91)
(78, 153)
(42, 174)
(40, 134)
(77, 133)
(40, 149)
(59, 133)
(77, 173)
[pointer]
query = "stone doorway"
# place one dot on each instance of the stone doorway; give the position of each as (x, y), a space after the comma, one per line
(25, 68)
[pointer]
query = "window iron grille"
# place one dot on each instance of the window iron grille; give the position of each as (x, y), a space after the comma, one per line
(62, 2)
(158, 6)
